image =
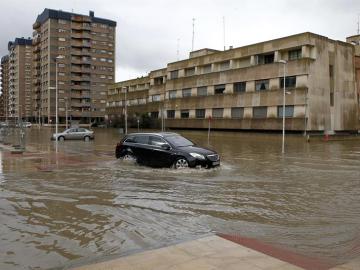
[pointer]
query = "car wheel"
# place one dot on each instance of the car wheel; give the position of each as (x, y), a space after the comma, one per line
(61, 139)
(181, 163)
(86, 138)
(129, 157)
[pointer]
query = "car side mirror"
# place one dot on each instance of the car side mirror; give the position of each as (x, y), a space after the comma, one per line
(165, 147)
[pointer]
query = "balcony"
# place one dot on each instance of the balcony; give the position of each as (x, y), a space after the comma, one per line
(36, 41)
(36, 48)
(84, 35)
(77, 18)
(76, 95)
(80, 52)
(80, 78)
(37, 81)
(86, 44)
(80, 104)
(81, 26)
(80, 87)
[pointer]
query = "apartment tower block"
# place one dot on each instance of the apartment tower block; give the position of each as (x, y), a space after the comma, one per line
(20, 78)
(4, 78)
(78, 52)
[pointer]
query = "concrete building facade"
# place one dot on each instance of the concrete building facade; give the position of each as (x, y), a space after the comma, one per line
(83, 49)
(355, 40)
(4, 77)
(20, 78)
(242, 88)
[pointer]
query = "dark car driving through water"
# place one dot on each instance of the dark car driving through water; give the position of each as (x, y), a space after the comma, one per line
(165, 149)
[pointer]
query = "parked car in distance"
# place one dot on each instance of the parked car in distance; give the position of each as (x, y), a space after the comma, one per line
(27, 124)
(74, 134)
(165, 150)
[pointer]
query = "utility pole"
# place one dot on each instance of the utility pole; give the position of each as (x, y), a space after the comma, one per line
(193, 34)
(177, 49)
(224, 32)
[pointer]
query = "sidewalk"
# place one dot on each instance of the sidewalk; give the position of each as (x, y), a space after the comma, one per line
(210, 253)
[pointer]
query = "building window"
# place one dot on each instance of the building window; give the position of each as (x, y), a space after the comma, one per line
(261, 85)
(217, 112)
(154, 115)
(237, 112)
(206, 68)
(170, 113)
(172, 94)
(62, 39)
(184, 113)
(202, 91)
(239, 87)
(331, 71)
(200, 113)
(260, 112)
(174, 74)
(155, 97)
(62, 22)
(332, 99)
(289, 111)
(295, 54)
(265, 58)
(219, 89)
(158, 80)
(190, 71)
(224, 65)
(290, 82)
(186, 92)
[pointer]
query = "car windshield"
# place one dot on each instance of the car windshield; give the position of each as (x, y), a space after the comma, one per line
(179, 141)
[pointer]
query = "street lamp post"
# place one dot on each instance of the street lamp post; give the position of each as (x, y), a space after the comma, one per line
(284, 62)
(56, 100)
(125, 113)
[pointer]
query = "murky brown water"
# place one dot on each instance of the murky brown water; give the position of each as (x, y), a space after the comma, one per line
(83, 205)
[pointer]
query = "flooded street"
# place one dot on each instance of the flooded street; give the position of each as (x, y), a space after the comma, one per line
(82, 205)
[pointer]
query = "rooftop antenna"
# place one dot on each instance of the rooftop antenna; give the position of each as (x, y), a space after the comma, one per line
(358, 23)
(224, 31)
(177, 50)
(193, 34)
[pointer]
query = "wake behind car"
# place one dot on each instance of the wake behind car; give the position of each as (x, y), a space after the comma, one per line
(74, 134)
(165, 150)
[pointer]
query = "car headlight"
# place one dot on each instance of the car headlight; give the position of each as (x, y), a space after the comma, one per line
(198, 156)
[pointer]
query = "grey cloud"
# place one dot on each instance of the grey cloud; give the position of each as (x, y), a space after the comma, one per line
(147, 31)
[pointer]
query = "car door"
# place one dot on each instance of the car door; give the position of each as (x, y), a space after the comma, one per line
(161, 157)
(141, 148)
(69, 135)
(80, 132)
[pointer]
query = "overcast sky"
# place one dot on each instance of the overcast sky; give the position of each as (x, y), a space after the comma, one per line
(148, 31)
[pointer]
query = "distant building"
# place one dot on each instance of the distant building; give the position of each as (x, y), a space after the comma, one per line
(20, 78)
(85, 48)
(242, 88)
(4, 78)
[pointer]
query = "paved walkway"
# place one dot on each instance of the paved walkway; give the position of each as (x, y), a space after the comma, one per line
(215, 253)
(210, 253)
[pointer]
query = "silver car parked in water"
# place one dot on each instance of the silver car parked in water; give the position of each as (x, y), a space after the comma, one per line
(74, 134)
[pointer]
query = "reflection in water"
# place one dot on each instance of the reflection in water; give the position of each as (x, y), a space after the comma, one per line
(91, 205)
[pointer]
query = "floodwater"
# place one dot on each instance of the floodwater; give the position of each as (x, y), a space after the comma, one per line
(82, 205)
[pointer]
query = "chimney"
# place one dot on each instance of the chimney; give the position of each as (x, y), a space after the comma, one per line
(91, 13)
(231, 47)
